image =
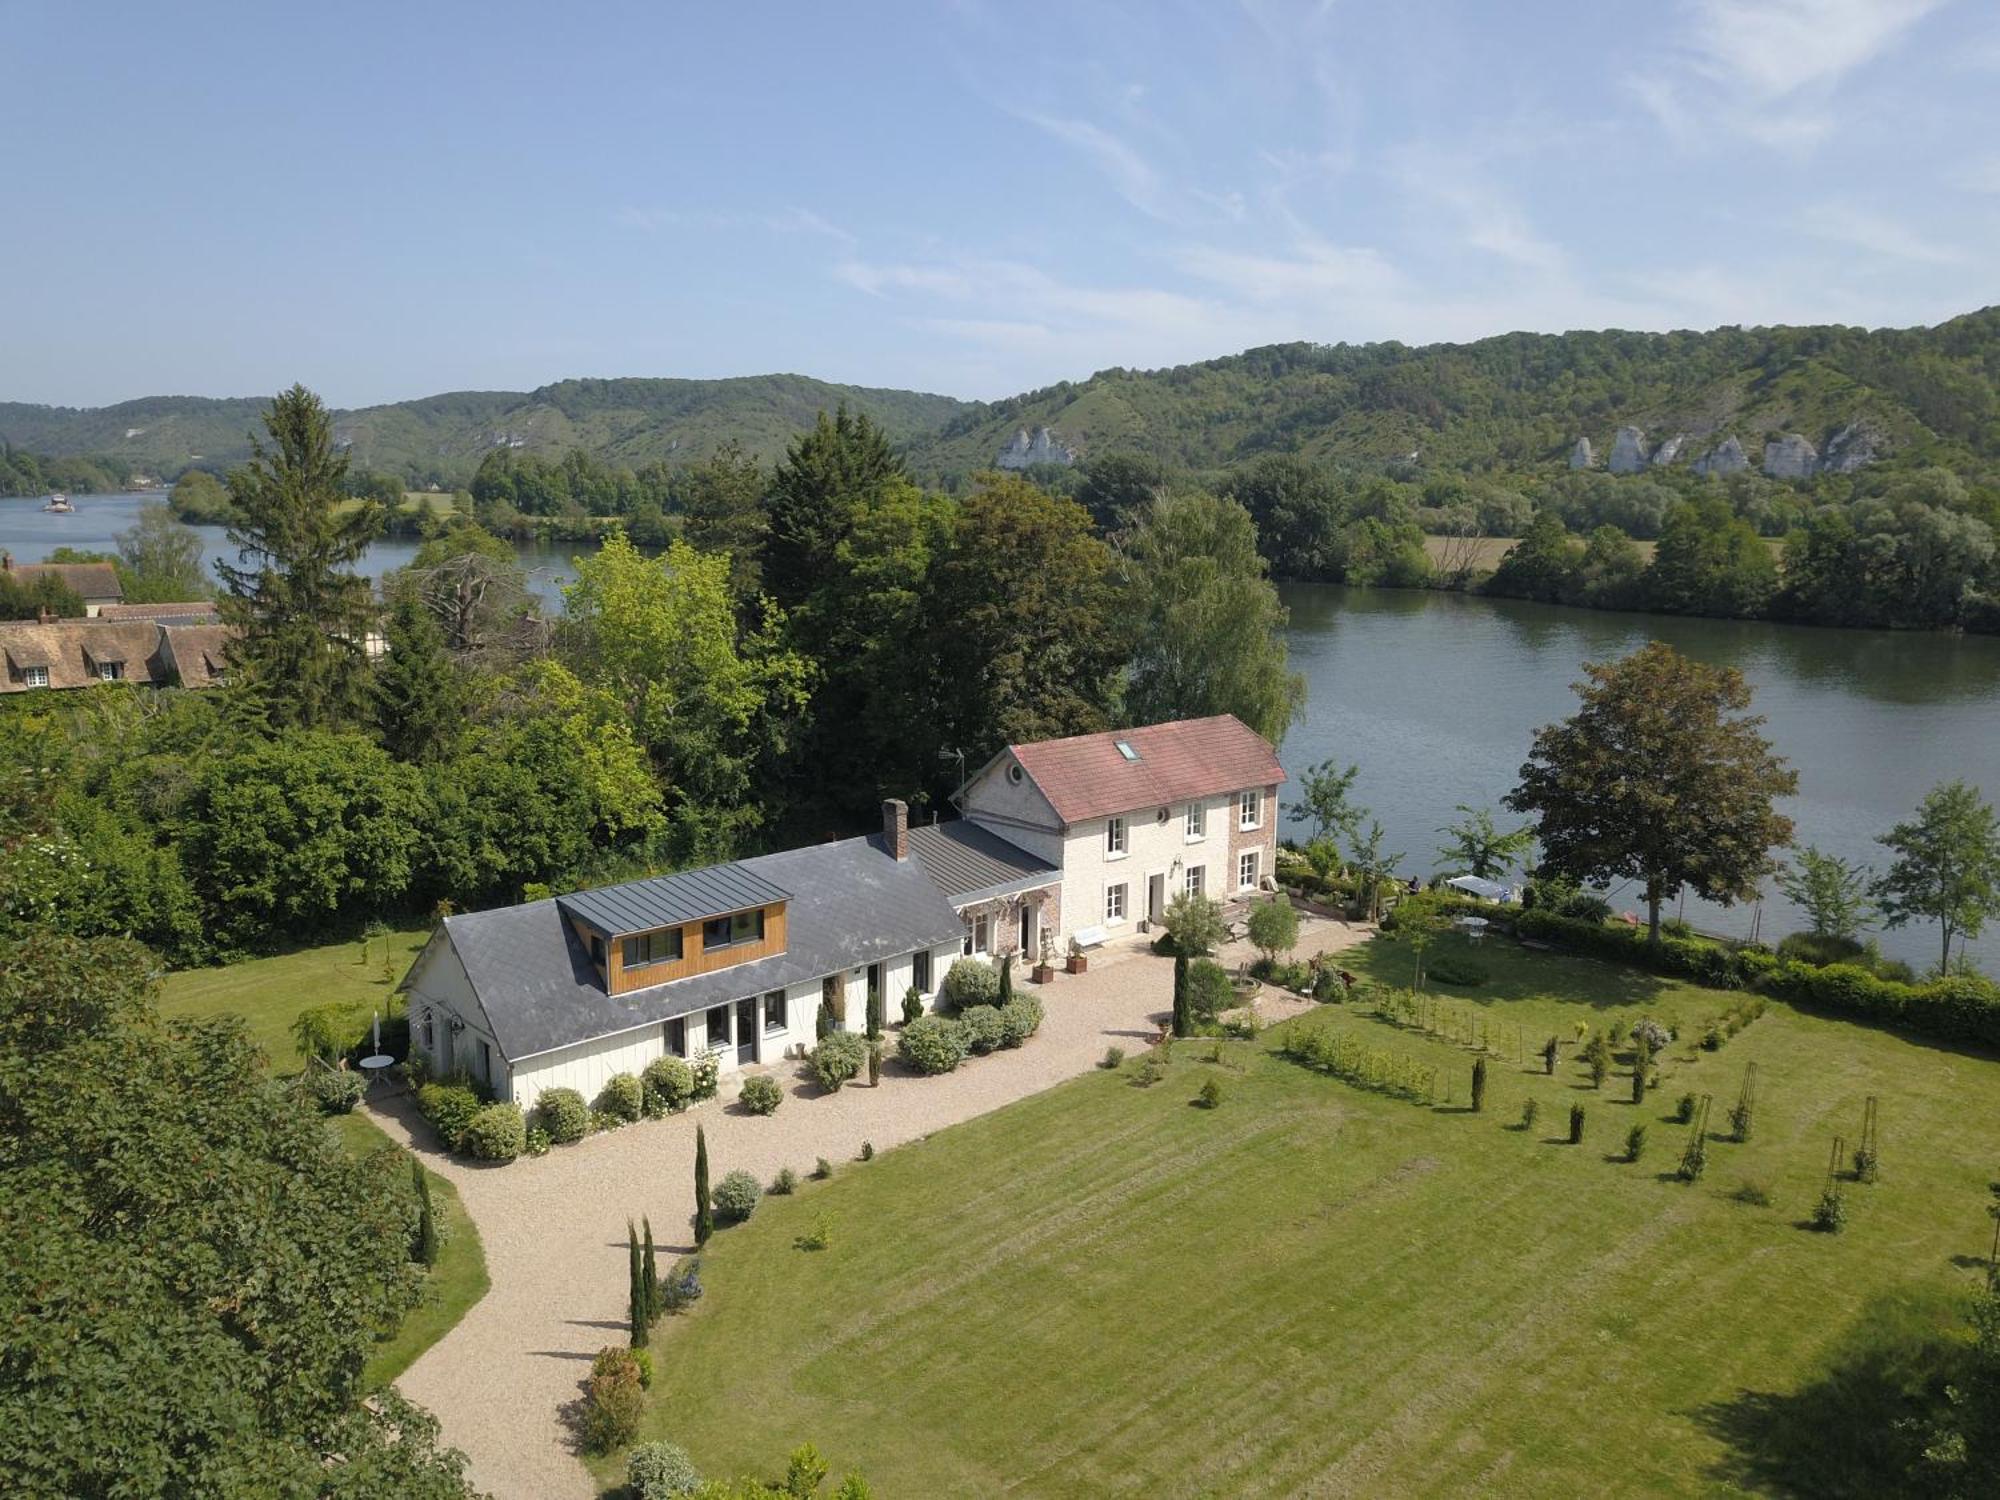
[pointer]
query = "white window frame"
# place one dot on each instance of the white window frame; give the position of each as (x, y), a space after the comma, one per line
(1246, 870)
(1195, 821)
(784, 1021)
(978, 935)
(108, 671)
(1117, 840)
(35, 677)
(1114, 902)
(1195, 882)
(1250, 809)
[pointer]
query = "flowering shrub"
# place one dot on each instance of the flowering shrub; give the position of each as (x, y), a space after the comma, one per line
(707, 1070)
(660, 1471)
(668, 1085)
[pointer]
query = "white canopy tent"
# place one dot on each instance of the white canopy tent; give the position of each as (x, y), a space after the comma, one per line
(1485, 890)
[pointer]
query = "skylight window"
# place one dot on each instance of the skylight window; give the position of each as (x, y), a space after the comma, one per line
(1125, 749)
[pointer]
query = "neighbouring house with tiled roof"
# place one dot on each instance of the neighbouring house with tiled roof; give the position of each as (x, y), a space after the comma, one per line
(1132, 817)
(56, 654)
(95, 583)
(737, 960)
(188, 612)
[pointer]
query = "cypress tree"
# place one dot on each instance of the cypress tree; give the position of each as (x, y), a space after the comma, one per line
(875, 1014)
(1549, 1050)
(1006, 978)
(424, 1248)
(1182, 1017)
(1576, 1124)
(875, 1065)
(651, 1283)
(822, 1023)
(1478, 1084)
(704, 1211)
(636, 1292)
(1642, 1061)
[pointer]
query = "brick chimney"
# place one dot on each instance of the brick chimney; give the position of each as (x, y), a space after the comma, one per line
(896, 826)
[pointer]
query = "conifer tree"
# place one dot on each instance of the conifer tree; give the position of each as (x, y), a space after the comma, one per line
(635, 1299)
(822, 1023)
(875, 1014)
(1182, 1017)
(418, 694)
(704, 1210)
(424, 1249)
(651, 1282)
(1478, 1084)
(1006, 979)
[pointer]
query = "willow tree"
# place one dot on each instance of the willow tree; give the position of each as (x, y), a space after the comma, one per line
(1660, 777)
(300, 611)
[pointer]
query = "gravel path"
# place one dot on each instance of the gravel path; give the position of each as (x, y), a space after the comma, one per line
(554, 1228)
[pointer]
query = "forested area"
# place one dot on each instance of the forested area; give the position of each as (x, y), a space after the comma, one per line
(25, 473)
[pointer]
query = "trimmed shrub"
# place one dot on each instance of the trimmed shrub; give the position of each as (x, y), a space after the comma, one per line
(1684, 1111)
(969, 982)
(563, 1115)
(449, 1107)
(622, 1098)
(613, 1401)
(1208, 989)
(983, 1028)
(1635, 1143)
(1114, 1057)
(660, 1471)
(913, 1004)
(1829, 1215)
(933, 1044)
(1478, 1084)
(335, 1091)
(822, 1169)
(496, 1133)
(736, 1197)
(1211, 1094)
(838, 1059)
(762, 1094)
(1576, 1124)
(668, 1086)
(1020, 1018)
(785, 1183)
(868, 1151)
(1529, 1110)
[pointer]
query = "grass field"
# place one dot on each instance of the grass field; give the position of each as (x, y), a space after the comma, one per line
(269, 992)
(1314, 1288)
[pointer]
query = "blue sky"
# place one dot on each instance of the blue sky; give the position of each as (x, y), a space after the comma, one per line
(387, 201)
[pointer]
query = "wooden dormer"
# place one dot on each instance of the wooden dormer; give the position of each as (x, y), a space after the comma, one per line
(650, 932)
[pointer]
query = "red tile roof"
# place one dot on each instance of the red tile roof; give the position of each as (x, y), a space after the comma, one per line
(1086, 776)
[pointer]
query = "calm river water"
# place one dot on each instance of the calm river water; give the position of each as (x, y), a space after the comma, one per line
(1436, 696)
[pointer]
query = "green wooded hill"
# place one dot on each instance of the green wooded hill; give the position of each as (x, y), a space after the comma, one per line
(1520, 401)
(1515, 402)
(442, 438)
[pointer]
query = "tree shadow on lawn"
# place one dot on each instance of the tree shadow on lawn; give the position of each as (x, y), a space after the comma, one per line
(1839, 1433)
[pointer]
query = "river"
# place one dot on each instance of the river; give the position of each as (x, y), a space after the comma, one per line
(31, 534)
(1436, 696)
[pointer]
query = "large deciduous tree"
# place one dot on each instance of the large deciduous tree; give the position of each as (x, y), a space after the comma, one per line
(1476, 845)
(1206, 624)
(196, 1268)
(711, 699)
(1831, 891)
(162, 559)
(300, 610)
(1660, 777)
(1946, 868)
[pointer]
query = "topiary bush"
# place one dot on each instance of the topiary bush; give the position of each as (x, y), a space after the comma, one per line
(762, 1094)
(563, 1115)
(983, 1028)
(660, 1471)
(838, 1059)
(668, 1085)
(735, 1197)
(785, 1183)
(913, 1004)
(449, 1107)
(969, 982)
(933, 1044)
(622, 1098)
(1576, 1124)
(496, 1133)
(1209, 992)
(1020, 1018)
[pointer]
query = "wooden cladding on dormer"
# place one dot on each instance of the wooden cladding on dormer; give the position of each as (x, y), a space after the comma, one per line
(682, 951)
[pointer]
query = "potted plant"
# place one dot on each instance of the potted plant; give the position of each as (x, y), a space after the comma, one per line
(1077, 962)
(1044, 971)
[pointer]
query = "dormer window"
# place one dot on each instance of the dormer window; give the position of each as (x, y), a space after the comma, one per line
(109, 671)
(659, 947)
(727, 932)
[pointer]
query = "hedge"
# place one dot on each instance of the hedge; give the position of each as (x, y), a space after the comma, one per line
(969, 982)
(450, 1108)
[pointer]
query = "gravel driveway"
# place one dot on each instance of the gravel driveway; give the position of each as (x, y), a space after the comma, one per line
(554, 1228)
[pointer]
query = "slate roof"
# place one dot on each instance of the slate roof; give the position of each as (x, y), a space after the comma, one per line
(666, 900)
(1086, 776)
(852, 904)
(971, 863)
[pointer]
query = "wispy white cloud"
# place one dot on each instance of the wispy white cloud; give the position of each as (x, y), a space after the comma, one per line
(1134, 178)
(1878, 234)
(1466, 184)
(1765, 69)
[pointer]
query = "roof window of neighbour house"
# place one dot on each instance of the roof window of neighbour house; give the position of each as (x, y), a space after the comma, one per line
(1125, 749)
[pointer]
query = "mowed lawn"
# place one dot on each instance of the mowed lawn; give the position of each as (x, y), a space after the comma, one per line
(1316, 1289)
(269, 993)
